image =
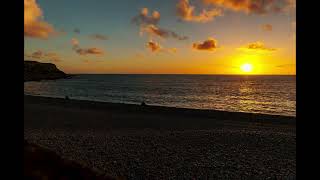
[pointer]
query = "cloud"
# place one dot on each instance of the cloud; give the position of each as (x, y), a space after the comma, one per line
(163, 33)
(257, 46)
(186, 12)
(94, 51)
(76, 30)
(148, 24)
(74, 42)
(85, 51)
(156, 47)
(144, 18)
(37, 54)
(34, 25)
(254, 6)
(53, 56)
(153, 46)
(290, 5)
(267, 27)
(209, 45)
(41, 55)
(98, 37)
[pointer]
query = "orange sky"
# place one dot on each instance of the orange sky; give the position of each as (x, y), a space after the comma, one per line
(174, 37)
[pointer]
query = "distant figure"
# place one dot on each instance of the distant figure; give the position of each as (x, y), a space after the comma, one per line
(143, 103)
(67, 97)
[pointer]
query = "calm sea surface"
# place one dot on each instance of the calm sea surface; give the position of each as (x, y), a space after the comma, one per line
(257, 94)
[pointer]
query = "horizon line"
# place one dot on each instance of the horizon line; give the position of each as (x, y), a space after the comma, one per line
(181, 74)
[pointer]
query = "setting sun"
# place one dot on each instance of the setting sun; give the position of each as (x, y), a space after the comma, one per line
(246, 68)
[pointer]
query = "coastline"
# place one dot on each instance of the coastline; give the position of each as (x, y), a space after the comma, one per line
(151, 141)
(208, 113)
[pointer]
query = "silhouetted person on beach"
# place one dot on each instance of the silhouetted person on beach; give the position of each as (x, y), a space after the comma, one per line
(143, 103)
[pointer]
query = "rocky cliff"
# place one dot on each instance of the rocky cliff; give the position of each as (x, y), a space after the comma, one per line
(36, 71)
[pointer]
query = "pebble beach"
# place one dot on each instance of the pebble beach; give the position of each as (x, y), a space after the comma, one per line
(134, 142)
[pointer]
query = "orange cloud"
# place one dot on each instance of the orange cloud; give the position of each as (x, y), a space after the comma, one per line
(95, 51)
(74, 42)
(186, 13)
(34, 26)
(209, 45)
(85, 51)
(148, 23)
(254, 6)
(257, 46)
(153, 46)
(143, 18)
(267, 27)
(163, 33)
(41, 55)
(156, 47)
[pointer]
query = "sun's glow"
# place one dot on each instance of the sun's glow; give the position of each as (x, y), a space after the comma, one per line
(246, 68)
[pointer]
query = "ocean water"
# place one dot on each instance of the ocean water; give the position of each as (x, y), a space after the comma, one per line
(255, 94)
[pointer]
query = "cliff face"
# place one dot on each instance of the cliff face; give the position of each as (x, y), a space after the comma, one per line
(36, 71)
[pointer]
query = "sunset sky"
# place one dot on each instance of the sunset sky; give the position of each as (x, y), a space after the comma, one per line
(162, 36)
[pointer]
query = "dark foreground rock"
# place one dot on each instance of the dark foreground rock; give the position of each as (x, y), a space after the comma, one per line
(36, 71)
(40, 163)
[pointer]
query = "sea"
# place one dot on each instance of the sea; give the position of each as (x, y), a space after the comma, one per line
(266, 94)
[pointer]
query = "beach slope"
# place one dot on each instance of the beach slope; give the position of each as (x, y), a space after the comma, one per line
(150, 142)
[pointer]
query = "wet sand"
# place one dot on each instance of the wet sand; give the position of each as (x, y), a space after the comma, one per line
(149, 142)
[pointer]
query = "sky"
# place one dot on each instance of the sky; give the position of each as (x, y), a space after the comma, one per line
(162, 37)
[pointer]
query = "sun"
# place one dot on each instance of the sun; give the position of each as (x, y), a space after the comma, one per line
(246, 68)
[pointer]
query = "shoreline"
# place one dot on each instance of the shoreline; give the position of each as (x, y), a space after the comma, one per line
(162, 106)
(195, 111)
